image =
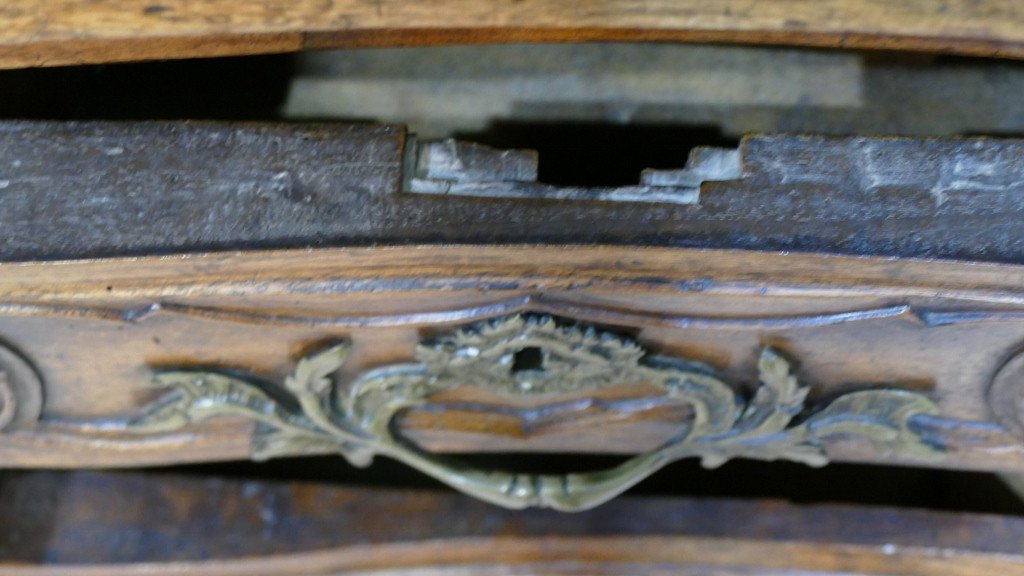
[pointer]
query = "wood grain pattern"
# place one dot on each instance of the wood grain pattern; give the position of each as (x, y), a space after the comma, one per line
(42, 33)
(96, 329)
(64, 525)
(211, 186)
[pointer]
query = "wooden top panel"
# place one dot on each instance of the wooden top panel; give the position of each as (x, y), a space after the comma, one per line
(54, 33)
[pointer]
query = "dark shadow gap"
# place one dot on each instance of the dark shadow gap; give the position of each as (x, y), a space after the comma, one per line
(854, 484)
(241, 88)
(600, 154)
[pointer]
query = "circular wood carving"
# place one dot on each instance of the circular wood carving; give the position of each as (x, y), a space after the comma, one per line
(1006, 395)
(21, 391)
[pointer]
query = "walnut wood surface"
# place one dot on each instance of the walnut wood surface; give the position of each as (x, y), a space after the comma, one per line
(63, 524)
(95, 330)
(45, 33)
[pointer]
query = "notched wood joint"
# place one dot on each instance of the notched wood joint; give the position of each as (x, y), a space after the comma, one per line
(451, 167)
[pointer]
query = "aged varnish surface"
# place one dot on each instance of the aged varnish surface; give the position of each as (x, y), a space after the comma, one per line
(50, 33)
(97, 332)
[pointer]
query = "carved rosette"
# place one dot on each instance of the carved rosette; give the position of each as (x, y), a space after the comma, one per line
(355, 417)
(21, 391)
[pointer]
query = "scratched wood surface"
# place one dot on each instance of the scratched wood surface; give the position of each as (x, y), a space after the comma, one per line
(92, 189)
(52, 33)
(95, 330)
(212, 526)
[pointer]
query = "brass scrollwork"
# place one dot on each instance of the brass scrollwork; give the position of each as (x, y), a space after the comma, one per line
(355, 418)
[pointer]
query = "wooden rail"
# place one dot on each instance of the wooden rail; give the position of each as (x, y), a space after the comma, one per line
(66, 32)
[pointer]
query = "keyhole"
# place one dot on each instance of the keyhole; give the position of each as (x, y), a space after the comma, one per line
(530, 359)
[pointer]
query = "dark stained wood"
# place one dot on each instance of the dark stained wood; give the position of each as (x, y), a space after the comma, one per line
(187, 184)
(82, 190)
(65, 524)
(44, 33)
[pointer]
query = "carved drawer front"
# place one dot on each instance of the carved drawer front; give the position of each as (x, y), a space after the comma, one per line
(422, 353)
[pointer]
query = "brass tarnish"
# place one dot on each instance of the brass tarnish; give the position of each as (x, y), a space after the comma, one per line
(355, 417)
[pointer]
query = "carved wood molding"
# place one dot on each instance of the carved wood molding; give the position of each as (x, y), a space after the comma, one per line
(355, 418)
(536, 303)
(854, 323)
(21, 391)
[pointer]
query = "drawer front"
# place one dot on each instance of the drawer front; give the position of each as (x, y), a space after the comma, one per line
(420, 353)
